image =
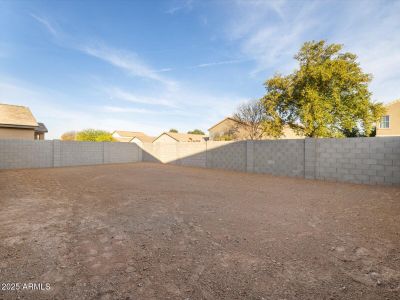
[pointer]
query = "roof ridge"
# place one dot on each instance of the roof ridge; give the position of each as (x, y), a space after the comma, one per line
(13, 105)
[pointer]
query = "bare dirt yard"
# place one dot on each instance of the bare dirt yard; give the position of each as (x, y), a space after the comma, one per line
(152, 231)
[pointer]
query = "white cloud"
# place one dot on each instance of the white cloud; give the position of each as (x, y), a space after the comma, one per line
(271, 32)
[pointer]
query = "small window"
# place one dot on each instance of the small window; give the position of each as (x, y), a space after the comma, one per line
(385, 122)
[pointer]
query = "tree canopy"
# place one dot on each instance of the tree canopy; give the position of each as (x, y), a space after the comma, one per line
(326, 96)
(196, 131)
(173, 130)
(68, 136)
(94, 135)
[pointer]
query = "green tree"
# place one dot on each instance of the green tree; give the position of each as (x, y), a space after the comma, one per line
(196, 131)
(94, 135)
(325, 97)
(173, 130)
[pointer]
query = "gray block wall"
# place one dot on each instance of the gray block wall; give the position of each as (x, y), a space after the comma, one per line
(279, 157)
(359, 160)
(227, 155)
(25, 154)
(16, 154)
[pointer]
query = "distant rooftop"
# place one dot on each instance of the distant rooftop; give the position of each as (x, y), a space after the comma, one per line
(41, 129)
(185, 137)
(16, 116)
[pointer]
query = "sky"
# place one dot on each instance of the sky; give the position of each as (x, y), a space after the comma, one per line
(154, 65)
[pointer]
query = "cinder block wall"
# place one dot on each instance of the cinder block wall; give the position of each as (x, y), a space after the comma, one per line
(357, 160)
(279, 157)
(16, 154)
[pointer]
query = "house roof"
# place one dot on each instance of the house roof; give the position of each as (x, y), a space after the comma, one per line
(226, 119)
(16, 116)
(130, 134)
(144, 138)
(41, 128)
(183, 137)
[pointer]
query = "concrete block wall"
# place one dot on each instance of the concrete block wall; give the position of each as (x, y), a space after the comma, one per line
(25, 154)
(279, 157)
(80, 153)
(121, 153)
(359, 160)
(16, 154)
(227, 155)
(192, 154)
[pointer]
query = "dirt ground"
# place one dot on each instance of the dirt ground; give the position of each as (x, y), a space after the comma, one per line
(152, 231)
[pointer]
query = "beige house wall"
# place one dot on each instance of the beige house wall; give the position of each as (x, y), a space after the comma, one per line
(17, 133)
(39, 136)
(393, 111)
(240, 132)
(226, 127)
(137, 141)
(288, 133)
(165, 139)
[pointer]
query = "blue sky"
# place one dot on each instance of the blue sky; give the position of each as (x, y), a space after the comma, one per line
(154, 65)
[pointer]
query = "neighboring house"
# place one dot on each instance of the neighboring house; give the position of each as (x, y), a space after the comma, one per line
(17, 122)
(40, 131)
(140, 139)
(229, 128)
(173, 137)
(389, 124)
(132, 137)
(125, 136)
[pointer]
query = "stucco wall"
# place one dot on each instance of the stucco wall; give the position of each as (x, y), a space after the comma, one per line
(17, 133)
(228, 127)
(240, 132)
(393, 111)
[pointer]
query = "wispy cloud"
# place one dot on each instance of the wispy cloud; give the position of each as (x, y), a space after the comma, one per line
(45, 23)
(218, 63)
(116, 93)
(179, 6)
(124, 109)
(127, 61)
